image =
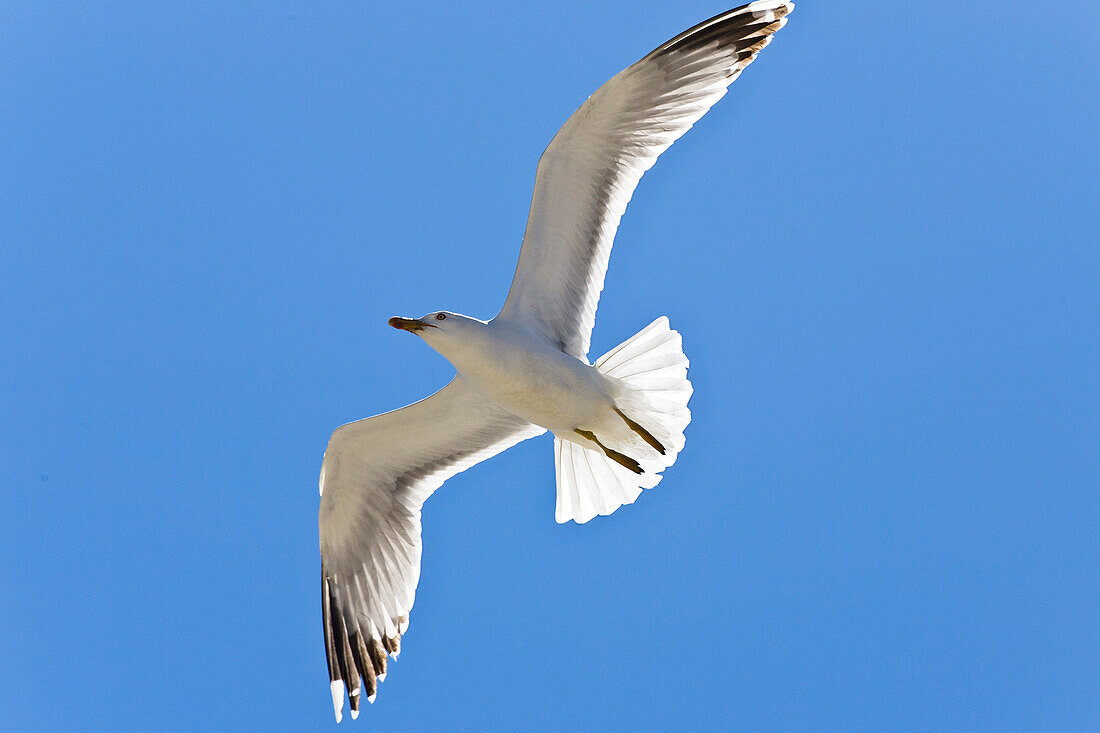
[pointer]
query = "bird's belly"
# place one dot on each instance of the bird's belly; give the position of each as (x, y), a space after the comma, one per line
(558, 393)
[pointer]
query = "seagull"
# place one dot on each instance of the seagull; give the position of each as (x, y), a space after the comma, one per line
(617, 423)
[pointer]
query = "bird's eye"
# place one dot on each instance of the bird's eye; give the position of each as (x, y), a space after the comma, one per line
(440, 316)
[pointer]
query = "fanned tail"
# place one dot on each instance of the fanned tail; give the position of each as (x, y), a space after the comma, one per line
(651, 369)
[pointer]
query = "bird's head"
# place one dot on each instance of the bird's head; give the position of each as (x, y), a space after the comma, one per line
(438, 321)
(446, 332)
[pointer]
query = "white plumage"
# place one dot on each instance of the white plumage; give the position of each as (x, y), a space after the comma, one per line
(652, 365)
(617, 423)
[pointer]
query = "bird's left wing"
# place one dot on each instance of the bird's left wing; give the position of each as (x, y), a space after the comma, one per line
(589, 171)
(375, 476)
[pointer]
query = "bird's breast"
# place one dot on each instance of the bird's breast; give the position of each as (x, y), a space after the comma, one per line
(541, 385)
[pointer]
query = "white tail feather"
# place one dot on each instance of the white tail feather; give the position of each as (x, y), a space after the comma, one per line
(652, 370)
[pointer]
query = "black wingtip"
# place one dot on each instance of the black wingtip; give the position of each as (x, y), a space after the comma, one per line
(731, 26)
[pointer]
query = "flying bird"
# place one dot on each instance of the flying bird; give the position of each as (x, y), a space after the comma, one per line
(618, 423)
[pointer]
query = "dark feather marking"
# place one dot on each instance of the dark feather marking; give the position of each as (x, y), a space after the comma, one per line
(365, 665)
(726, 22)
(326, 614)
(343, 657)
(377, 656)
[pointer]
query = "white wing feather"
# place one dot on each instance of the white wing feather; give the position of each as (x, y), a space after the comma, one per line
(375, 476)
(589, 171)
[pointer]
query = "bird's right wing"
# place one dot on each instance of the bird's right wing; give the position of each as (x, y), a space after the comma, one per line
(589, 171)
(375, 476)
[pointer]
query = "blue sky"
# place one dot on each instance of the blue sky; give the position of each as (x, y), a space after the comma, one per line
(881, 249)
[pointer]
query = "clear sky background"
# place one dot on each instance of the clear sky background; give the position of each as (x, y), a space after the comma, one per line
(883, 252)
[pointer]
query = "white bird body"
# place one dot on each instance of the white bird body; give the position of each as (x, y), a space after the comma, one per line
(618, 422)
(521, 372)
